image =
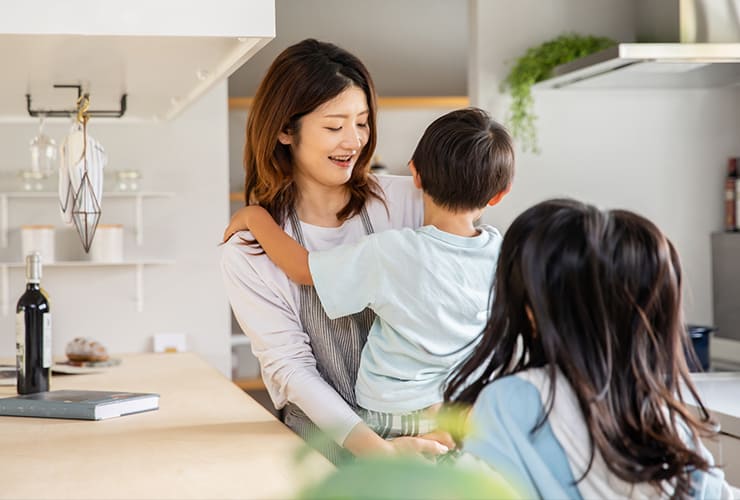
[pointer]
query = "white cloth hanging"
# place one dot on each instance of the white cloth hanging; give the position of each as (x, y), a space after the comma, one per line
(72, 168)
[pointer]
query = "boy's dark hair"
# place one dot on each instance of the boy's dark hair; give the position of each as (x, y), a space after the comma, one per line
(464, 159)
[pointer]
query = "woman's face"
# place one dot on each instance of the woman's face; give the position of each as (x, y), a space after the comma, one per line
(330, 139)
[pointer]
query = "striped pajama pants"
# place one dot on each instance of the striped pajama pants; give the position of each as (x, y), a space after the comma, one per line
(390, 425)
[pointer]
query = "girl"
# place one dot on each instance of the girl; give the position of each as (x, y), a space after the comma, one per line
(579, 379)
(309, 140)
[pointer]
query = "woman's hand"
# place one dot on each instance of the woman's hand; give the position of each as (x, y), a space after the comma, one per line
(363, 441)
(239, 221)
(428, 445)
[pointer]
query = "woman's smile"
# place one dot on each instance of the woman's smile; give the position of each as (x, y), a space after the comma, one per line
(343, 161)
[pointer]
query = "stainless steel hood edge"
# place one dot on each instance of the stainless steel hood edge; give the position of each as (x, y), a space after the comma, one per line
(652, 65)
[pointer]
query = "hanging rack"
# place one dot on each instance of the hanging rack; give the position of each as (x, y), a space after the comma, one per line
(71, 112)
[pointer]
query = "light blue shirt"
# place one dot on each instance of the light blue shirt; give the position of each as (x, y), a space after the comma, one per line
(546, 463)
(431, 293)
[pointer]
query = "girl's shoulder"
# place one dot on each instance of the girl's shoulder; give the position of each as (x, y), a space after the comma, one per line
(519, 397)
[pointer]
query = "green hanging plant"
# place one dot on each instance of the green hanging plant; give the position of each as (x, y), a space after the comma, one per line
(537, 65)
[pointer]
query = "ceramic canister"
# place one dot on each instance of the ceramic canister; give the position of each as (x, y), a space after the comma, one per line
(38, 238)
(107, 245)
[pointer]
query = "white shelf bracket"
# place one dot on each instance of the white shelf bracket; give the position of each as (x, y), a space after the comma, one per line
(4, 221)
(4, 290)
(139, 220)
(139, 287)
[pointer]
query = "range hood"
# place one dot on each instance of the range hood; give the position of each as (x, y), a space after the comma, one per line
(160, 54)
(694, 44)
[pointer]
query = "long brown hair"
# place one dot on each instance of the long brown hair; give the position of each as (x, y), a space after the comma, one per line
(604, 290)
(300, 79)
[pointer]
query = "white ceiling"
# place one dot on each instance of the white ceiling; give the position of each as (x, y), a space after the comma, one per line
(411, 47)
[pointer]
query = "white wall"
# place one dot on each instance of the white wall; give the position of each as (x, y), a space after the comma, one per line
(188, 156)
(661, 153)
(411, 47)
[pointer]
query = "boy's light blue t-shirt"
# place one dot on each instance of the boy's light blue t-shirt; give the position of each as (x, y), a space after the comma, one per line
(430, 291)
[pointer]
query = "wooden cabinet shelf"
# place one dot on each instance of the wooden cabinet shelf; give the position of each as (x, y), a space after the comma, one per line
(250, 384)
(411, 102)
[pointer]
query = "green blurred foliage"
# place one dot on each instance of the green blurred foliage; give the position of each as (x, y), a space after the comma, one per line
(408, 478)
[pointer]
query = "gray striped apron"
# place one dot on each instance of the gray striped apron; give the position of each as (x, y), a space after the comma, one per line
(336, 345)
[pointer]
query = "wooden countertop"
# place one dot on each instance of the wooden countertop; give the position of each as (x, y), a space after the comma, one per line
(208, 440)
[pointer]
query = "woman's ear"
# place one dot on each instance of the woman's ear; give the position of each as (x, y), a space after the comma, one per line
(285, 138)
(415, 175)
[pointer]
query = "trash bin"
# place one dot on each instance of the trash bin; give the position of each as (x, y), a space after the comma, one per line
(699, 337)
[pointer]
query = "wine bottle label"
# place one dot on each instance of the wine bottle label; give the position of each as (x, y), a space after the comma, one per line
(46, 361)
(731, 204)
(20, 343)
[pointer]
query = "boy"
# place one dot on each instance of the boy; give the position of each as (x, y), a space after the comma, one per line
(429, 287)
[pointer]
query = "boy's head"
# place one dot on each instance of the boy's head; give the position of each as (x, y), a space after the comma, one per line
(465, 160)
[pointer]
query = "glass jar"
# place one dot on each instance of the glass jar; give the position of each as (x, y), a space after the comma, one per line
(127, 180)
(31, 180)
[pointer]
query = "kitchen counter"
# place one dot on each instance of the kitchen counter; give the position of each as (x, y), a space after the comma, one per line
(208, 440)
(720, 393)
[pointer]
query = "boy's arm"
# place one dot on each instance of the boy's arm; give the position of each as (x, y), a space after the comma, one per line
(283, 250)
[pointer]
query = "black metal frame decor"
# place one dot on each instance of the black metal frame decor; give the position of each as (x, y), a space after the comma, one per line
(118, 113)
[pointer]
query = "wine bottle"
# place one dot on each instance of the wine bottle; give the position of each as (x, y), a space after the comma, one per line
(731, 201)
(33, 332)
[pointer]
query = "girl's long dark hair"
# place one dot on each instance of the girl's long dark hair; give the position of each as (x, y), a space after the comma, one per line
(604, 293)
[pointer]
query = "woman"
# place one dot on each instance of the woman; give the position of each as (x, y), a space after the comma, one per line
(309, 140)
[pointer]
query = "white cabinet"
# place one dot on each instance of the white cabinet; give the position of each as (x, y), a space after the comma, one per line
(163, 55)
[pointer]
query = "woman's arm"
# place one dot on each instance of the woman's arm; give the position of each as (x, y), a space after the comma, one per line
(283, 250)
(363, 441)
(267, 311)
(268, 315)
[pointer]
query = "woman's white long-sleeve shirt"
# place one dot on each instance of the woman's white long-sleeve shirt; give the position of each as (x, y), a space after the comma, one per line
(266, 305)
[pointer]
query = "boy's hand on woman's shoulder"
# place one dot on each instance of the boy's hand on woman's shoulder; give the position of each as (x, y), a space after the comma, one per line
(240, 220)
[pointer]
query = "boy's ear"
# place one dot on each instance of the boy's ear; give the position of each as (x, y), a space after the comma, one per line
(499, 196)
(415, 175)
(285, 138)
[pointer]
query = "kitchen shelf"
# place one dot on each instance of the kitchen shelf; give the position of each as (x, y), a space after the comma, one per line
(138, 196)
(411, 102)
(138, 263)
